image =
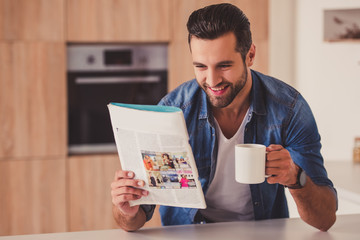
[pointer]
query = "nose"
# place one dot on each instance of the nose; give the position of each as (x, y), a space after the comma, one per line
(213, 78)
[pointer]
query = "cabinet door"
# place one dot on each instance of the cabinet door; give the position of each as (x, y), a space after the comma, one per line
(89, 179)
(32, 196)
(118, 20)
(180, 65)
(7, 92)
(33, 99)
(32, 20)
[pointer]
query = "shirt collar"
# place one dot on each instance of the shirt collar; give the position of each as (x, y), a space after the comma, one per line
(204, 106)
(257, 95)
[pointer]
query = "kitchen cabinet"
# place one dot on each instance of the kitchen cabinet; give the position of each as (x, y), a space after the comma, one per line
(32, 20)
(180, 63)
(118, 20)
(33, 99)
(7, 89)
(89, 179)
(32, 196)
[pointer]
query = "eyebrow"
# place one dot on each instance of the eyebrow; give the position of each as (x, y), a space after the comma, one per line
(219, 63)
(197, 63)
(225, 62)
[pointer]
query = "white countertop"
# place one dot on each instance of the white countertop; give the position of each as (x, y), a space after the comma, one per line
(346, 178)
(345, 228)
(345, 175)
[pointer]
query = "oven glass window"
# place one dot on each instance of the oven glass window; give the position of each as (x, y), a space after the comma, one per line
(89, 121)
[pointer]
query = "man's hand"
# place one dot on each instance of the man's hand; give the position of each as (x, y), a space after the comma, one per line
(280, 166)
(125, 188)
(316, 204)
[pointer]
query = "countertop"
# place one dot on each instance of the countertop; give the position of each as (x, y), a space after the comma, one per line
(345, 175)
(345, 228)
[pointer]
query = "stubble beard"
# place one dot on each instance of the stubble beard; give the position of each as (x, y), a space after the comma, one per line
(233, 91)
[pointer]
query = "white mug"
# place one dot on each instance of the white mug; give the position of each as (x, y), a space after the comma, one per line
(250, 163)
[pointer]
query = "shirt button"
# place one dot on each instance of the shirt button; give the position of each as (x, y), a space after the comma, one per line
(256, 203)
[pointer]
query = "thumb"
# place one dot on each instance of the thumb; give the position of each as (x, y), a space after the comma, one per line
(274, 147)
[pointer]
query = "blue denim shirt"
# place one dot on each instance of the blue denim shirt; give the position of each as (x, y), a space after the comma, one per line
(280, 115)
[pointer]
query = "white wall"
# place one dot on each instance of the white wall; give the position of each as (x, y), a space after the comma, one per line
(282, 40)
(327, 74)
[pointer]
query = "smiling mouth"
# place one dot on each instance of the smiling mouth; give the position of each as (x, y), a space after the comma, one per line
(218, 90)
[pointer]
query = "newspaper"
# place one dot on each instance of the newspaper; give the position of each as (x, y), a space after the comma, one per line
(153, 142)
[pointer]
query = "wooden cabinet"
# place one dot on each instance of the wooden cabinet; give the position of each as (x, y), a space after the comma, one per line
(33, 99)
(180, 63)
(32, 20)
(7, 90)
(32, 196)
(118, 20)
(257, 12)
(32, 117)
(89, 179)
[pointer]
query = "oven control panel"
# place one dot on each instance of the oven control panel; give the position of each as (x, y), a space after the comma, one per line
(115, 57)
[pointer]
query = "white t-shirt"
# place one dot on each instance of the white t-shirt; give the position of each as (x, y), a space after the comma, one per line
(226, 199)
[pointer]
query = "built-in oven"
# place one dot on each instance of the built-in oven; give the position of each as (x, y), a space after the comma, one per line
(100, 74)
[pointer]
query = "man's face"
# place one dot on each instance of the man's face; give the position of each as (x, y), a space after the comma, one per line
(219, 69)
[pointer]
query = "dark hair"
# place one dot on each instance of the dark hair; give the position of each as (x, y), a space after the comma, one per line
(216, 20)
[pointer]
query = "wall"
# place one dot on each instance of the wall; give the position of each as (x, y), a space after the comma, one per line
(282, 40)
(327, 74)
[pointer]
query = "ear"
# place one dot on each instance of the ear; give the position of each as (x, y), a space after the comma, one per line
(250, 57)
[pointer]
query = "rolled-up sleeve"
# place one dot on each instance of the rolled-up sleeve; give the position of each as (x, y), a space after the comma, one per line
(149, 211)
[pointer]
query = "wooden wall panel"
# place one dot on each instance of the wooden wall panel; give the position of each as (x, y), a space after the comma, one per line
(155, 220)
(33, 101)
(7, 93)
(32, 20)
(89, 179)
(118, 20)
(32, 196)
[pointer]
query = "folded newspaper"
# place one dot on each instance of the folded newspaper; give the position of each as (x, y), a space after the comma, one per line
(153, 142)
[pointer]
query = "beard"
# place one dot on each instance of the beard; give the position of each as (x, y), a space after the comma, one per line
(232, 91)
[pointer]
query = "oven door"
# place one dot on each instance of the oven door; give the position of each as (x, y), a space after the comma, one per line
(89, 94)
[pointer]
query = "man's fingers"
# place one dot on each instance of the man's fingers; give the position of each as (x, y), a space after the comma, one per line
(277, 153)
(274, 147)
(128, 190)
(273, 171)
(123, 174)
(127, 182)
(125, 198)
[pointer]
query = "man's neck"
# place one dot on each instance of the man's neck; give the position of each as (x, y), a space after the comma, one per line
(231, 117)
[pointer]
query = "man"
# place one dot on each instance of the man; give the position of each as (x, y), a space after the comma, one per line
(229, 104)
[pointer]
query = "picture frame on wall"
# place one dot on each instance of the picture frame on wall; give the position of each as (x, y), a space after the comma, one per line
(342, 25)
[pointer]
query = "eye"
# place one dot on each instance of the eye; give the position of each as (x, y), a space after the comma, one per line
(222, 66)
(200, 66)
